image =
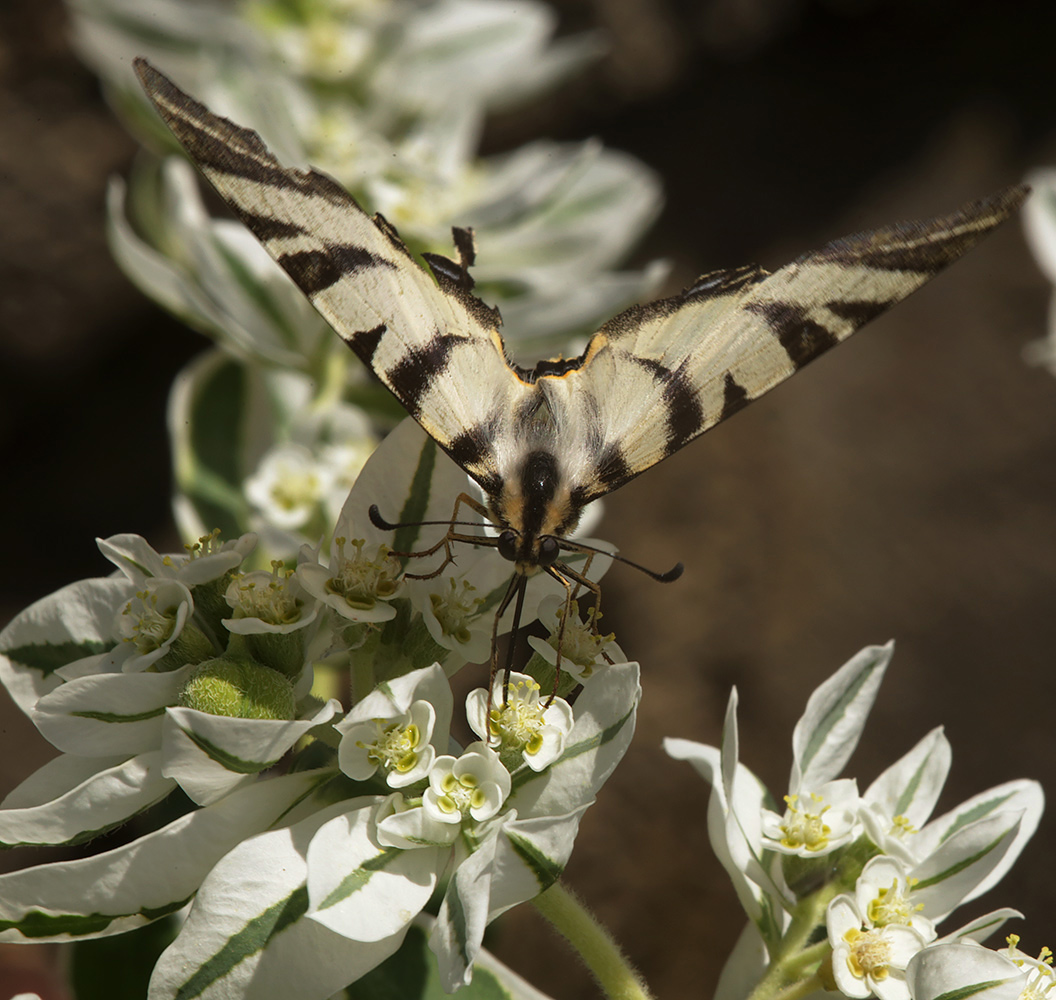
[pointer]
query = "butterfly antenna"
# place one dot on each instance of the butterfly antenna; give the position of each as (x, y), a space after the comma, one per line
(379, 522)
(669, 577)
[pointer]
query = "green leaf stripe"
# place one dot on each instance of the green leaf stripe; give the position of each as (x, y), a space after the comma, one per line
(546, 870)
(960, 866)
(227, 760)
(35, 924)
(152, 713)
(49, 656)
(356, 880)
(980, 810)
(969, 991)
(417, 501)
(837, 712)
(910, 791)
(253, 937)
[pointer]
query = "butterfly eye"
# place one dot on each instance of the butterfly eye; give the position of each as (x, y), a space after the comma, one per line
(508, 544)
(548, 550)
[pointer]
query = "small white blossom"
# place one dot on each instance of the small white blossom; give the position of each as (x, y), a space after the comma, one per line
(473, 786)
(152, 620)
(398, 746)
(816, 822)
(1041, 982)
(358, 583)
(274, 599)
(520, 721)
(867, 959)
(884, 895)
(288, 486)
(583, 648)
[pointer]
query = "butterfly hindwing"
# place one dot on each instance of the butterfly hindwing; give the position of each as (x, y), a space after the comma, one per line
(657, 376)
(411, 330)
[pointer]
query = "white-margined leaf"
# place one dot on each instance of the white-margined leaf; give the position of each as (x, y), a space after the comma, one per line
(829, 730)
(146, 879)
(73, 799)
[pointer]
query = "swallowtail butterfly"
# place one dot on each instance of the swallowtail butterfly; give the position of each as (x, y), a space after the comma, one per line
(545, 442)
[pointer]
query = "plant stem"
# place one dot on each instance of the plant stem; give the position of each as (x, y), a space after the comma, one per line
(593, 943)
(781, 981)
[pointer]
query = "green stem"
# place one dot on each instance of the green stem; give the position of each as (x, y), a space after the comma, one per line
(593, 943)
(803, 988)
(782, 981)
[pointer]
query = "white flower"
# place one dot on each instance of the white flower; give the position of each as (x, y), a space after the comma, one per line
(203, 561)
(396, 728)
(288, 486)
(268, 602)
(152, 621)
(358, 583)
(884, 895)
(472, 786)
(521, 723)
(814, 823)
(867, 959)
(583, 648)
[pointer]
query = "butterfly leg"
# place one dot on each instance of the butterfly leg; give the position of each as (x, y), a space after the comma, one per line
(450, 536)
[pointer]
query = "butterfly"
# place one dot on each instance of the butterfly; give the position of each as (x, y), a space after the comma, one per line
(544, 442)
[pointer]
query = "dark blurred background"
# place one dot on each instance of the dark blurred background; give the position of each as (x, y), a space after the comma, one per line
(904, 486)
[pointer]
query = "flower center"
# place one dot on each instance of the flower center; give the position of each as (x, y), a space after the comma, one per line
(579, 640)
(518, 722)
(269, 598)
(901, 826)
(295, 488)
(396, 746)
(150, 627)
(460, 794)
(454, 609)
(804, 829)
(869, 955)
(892, 906)
(359, 580)
(205, 546)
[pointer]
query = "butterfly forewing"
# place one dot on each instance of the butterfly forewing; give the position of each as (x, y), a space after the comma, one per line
(360, 276)
(657, 376)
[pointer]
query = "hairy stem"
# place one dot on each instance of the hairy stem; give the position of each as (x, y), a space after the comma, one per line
(593, 943)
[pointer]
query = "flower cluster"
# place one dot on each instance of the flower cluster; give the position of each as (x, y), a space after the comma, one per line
(387, 96)
(845, 890)
(316, 828)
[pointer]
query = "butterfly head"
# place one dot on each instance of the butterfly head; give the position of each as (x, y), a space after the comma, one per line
(535, 510)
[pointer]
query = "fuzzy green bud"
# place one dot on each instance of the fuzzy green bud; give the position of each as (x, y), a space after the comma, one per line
(239, 689)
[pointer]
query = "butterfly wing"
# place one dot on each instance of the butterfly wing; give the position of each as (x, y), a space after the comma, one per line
(433, 343)
(657, 376)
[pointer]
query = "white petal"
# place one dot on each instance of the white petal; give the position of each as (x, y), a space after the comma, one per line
(963, 969)
(209, 755)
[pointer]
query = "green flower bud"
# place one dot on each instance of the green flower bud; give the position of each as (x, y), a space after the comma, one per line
(239, 689)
